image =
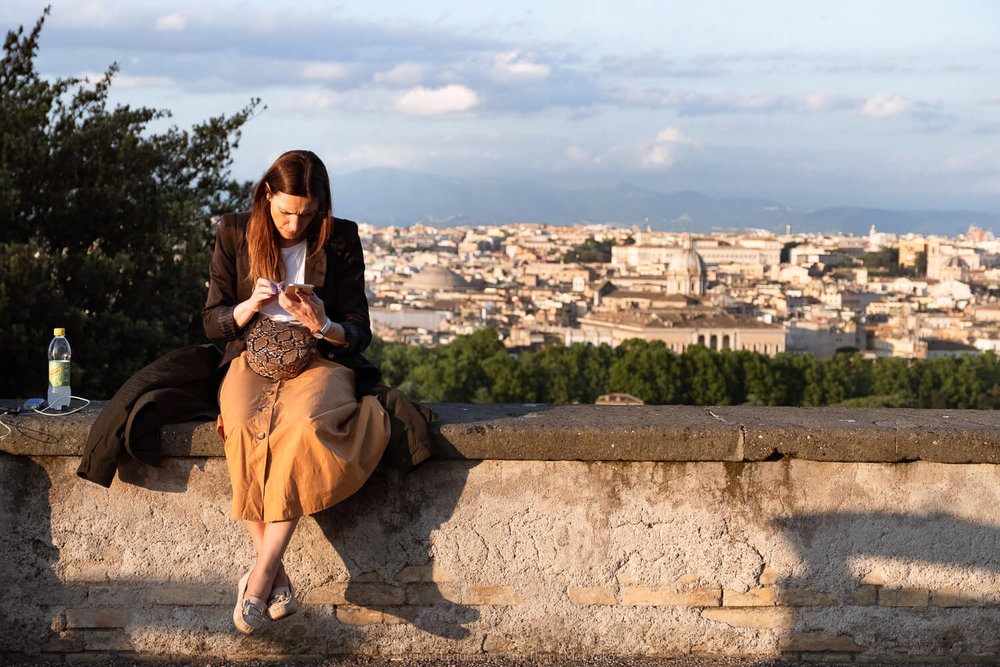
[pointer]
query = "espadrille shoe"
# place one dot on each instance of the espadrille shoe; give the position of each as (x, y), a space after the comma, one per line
(248, 616)
(282, 603)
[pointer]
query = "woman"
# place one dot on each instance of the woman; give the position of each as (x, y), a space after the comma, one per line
(297, 439)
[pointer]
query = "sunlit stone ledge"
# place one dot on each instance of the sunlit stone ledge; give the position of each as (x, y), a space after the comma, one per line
(622, 433)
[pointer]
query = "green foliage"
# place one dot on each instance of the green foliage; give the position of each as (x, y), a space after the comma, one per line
(477, 368)
(845, 375)
(886, 262)
(104, 224)
(589, 251)
(704, 375)
(647, 370)
(878, 401)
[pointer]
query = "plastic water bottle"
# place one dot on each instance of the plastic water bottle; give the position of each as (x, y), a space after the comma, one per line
(59, 354)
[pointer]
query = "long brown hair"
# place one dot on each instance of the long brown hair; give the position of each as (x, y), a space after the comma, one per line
(298, 173)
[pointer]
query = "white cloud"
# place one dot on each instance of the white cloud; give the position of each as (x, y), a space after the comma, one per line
(662, 151)
(320, 100)
(694, 103)
(431, 101)
(316, 100)
(88, 15)
(675, 136)
(508, 66)
(885, 105)
(818, 102)
(125, 81)
(373, 155)
(658, 155)
(171, 22)
(577, 154)
(756, 101)
(984, 160)
(326, 71)
(402, 75)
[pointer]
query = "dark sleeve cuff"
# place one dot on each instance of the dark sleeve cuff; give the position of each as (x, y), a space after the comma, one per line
(227, 323)
(100, 472)
(352, 336)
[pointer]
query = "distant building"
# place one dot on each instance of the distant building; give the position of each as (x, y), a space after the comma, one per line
(637, 257)
(717, 332)
(933, 348)
(823, 339)
(909, 249)
(686, 274)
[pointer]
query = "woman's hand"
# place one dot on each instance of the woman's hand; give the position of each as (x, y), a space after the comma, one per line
(305, 307)
(309, 309)
(264, 292)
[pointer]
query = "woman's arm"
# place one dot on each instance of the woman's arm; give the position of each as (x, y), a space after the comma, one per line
(344, 299)
(223, 316)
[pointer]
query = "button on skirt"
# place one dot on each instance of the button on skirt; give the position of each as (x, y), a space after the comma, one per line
(297, 446)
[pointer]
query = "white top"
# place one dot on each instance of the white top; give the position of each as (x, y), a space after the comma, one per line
(294, 259)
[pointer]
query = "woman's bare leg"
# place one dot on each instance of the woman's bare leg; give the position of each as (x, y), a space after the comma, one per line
(270, 541)
(256, 530)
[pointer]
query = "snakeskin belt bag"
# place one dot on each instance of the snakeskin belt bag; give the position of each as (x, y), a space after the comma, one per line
(278, 351)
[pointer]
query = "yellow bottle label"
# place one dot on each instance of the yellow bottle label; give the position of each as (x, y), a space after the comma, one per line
(58, 373)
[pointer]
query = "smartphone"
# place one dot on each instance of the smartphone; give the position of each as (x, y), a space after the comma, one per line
(292, 289)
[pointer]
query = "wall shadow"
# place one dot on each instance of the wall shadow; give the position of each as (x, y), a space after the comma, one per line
(167, 477)
(828, 542)
(387, 526)
(33, 615)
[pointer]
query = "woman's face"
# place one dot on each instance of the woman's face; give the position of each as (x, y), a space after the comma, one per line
(292, 215)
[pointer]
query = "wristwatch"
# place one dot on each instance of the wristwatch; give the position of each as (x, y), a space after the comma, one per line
(326, 327)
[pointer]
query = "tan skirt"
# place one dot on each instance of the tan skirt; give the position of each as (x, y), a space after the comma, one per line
(297, 446)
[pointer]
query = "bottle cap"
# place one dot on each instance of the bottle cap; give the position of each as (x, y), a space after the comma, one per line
(58, 332)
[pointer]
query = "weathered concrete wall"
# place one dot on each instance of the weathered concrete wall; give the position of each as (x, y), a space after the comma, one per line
(838, 556)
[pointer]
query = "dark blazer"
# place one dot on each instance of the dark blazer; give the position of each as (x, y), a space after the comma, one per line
(183, 384)
(338, 272)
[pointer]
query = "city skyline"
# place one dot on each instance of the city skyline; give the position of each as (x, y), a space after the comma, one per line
(894, 105)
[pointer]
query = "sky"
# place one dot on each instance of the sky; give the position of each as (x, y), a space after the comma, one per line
(884, 103)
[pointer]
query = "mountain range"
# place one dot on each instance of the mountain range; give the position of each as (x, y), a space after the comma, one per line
(385, 196)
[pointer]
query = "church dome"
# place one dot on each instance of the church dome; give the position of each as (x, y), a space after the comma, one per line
(687, 262)
(436, 279)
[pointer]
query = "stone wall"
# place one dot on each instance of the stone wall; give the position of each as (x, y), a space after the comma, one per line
(829, 534)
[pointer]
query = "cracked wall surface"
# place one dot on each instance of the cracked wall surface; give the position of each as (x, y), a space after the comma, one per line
(641, 558)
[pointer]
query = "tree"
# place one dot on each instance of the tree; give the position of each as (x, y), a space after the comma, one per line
(514, 380)
(792, 375)
(734, 368)
(891, 377)
(573, 374)
(457, 373)
(704, 376)
(647, 370)
(590, 250)
(761, 381)
(104, 224)
(845, 375)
